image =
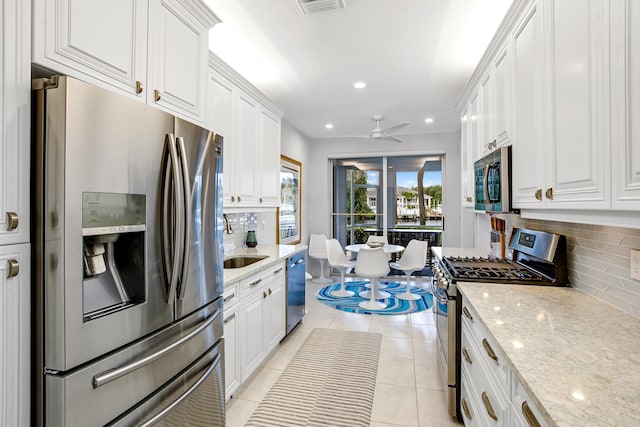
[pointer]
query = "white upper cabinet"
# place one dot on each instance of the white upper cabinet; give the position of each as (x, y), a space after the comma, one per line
(249, 122)
(529, 150)
(466, 160)
(15, 119)
(154, 50)
(625, 103)
(503, 95)
(577, 119)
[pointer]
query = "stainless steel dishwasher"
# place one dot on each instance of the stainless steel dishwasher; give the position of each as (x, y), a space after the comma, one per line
(295, 289)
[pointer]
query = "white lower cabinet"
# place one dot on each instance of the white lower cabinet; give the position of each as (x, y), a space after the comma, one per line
(255, 325)
(232, 377)
(491, 393)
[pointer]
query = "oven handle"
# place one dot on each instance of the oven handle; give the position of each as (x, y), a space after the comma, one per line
(160, 415)
(436, 292)
(113, 374)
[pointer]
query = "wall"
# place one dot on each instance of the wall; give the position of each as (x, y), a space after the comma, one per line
(317, 180)
(598, 259)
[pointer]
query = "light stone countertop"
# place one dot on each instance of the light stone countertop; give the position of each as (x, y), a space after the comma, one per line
(275, 253)
(578, 357)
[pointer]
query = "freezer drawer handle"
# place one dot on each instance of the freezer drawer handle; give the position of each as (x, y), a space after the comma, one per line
(160, 415)
(113, 374)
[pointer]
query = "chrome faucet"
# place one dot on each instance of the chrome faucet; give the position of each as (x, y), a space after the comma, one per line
(227, 228)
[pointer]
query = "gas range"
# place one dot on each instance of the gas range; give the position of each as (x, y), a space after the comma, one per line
(489, 270)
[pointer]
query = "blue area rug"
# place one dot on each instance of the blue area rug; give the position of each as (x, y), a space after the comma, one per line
(394, 305)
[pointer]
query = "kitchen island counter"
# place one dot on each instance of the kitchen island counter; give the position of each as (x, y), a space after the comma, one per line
(577, 357)
(274, 254)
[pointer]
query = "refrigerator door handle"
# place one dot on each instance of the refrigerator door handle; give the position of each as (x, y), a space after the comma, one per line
(171, 172)
(160, 415)
(113, 374)
(186, 189)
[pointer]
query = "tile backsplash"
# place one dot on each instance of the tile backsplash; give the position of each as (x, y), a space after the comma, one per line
(262, 222)
(598, 259)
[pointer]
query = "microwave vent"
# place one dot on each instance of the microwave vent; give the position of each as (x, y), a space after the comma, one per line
(312, 6)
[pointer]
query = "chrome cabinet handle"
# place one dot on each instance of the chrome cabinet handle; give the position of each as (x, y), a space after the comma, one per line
(488, 406)
(156, 95)
(467, 313)
(113, 374)
(14, 268)
(549, 193)
(489, 350)
(529, 416)
(139, 87)
(12, 221)
(186, 193)
(465, 353)
(160, 415)
(277, 271)
(256, 282)
(539, 194)
(229, 297)
(465, 408)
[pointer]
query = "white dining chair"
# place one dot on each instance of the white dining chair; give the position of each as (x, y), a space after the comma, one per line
(338, 260)
(372, 264)
(318, 250)
(412, 260)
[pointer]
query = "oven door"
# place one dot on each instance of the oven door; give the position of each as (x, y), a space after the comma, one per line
(444, 310)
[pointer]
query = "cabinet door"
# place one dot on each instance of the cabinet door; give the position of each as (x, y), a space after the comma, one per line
(503, 95)
(275, 314)
(231, 352)
(105, 41)
(247, 139)
(269, 164)
(251, 331)
(486, 115)
(528, 147)
(220, 119)
(15, 119)
(578, 159)
(466, 160)
(178, 58)
(474, 128)
(625, 103)
(15, 330)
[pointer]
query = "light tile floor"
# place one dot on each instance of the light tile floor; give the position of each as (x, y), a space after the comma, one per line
(408, 390)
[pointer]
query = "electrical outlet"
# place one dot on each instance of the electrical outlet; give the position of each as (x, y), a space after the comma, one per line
(635, 263)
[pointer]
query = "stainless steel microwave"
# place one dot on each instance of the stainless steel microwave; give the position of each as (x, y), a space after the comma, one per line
(493, 181)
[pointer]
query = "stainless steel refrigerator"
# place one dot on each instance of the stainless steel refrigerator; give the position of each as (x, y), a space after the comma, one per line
(128, 262)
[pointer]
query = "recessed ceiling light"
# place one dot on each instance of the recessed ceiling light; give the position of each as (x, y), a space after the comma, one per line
(359, 85)
(428, 120)
(328, 126)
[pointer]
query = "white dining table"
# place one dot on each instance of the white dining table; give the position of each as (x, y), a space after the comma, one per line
(388, 248)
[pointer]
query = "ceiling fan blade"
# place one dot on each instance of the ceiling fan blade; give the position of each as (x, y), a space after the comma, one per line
(396, 127)
(394, 138)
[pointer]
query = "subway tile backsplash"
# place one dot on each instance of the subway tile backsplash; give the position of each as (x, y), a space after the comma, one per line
(598, 259)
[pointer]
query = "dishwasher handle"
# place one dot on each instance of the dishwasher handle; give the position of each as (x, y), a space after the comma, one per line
(298, 262)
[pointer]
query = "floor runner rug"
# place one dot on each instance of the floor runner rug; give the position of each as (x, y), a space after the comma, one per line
(393, 305)
(329, 382)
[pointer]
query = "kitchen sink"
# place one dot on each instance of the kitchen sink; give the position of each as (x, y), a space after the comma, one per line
(242, 261)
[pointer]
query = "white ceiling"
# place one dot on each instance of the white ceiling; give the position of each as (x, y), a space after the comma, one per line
(415, 56)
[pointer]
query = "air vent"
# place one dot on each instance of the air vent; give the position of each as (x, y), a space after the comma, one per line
(312, 6)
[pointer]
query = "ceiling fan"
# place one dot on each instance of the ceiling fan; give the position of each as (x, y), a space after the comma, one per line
(386, 134)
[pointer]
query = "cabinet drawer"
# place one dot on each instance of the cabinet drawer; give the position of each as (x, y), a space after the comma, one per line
(524, 407)
(260, 279)
(488, 401)
(470, 414)
(230, 296)
(487, 349)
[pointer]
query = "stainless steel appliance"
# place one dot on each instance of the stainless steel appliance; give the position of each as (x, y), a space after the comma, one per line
(493, 181)
(128, 262)
(539, 258)
(295, 289)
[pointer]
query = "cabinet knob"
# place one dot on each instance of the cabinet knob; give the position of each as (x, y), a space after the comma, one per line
(14, 268)
(260, 199)
(239, 199)
(549, 193)
(539, 194)
(139, 87)
(264, 294)
(233, 199)
(12, 221)
(270, 291)
(156, 95)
